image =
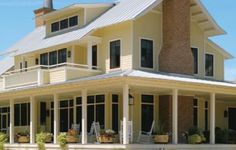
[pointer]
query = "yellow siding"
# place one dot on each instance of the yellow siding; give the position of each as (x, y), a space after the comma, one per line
(57, 75)
(147, 27)
(80, 56)
(93, 13)
(122, 32)
(218, 62)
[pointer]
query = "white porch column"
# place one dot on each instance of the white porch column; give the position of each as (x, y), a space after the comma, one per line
(175, 116)
(84, 116)
(12, 121)
(125, 113)
(89, 55)
(56, 117)
(212, 117)
(32, 120)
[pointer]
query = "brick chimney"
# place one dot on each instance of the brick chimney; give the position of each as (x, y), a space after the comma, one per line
(47, 8)
(176, 55)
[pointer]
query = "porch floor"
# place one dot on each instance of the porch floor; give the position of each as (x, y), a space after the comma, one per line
(121, 146)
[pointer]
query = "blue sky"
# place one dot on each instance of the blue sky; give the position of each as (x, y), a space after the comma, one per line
(17, 19)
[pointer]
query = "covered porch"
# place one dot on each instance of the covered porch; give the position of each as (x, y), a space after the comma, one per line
(114, 101)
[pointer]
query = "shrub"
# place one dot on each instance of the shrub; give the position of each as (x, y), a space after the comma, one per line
(61, 140)
(3, 140)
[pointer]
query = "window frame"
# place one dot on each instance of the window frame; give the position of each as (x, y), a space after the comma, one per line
(109, 51)
(94, 67)
(198, 60)
(111, 104)
(27, 116)
(208, 53)
(152, 104)
(196, 107)
(140, 53)
(68, 108)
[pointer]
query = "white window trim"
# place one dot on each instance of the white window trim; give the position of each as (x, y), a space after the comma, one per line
(140, 53)
(208, 53)
(112, 109)
(198, 59)
(98, 60)
(20, 103)
(154, 107)
(66, 29)
(68, 108)
(121, 48)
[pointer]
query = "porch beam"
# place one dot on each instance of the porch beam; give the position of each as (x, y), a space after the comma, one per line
(125, 113)
(89, 54)
(56, 117)
(12, 121)
(175, 116)
(32, 120)
(212, 117)
(84, 116)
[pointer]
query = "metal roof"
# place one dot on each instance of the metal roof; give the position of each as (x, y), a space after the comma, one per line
(6, 64)
(124, 10)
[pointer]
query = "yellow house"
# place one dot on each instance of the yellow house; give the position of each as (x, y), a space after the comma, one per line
(132, 66)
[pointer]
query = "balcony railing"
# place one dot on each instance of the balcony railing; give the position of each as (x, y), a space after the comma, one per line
(41, 74)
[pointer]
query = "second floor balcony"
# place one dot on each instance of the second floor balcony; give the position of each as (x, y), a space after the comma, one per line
(42, 75)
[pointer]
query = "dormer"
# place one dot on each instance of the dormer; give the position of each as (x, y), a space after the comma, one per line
(73, 17)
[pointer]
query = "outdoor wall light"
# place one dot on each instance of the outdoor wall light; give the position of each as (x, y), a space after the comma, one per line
(69, 54)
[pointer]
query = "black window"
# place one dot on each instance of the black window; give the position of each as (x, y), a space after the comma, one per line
(21, 66)
(66, 115)
(115, 54)
(115, 112)
(146, 53)
(44, 59)
(55, 27)
(195, 59)
(147, 112)
(64, 24)
(36, 61)
(206, 115)
(53, 58)
(22, 114)
(79, 111)
(94, 55)
(43, 113)
(209, 65)
(73, 21)
(62, 55)
(195, 112)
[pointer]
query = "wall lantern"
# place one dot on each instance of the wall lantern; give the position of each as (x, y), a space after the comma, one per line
(225, 114)
(69, 54)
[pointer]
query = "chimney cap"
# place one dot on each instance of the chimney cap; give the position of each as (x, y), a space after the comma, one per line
(48, 4)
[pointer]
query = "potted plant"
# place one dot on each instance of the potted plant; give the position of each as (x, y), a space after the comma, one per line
(3, 140)
(72, 136)
(194, 135)
(23, 137)
(161, 136)
(61, 140)
(42, 138)
(107, 136)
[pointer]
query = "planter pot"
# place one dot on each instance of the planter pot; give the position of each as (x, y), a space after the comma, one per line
(195, 139)
(105, 139)
(161, 139)
(23, 139)
(72, 139)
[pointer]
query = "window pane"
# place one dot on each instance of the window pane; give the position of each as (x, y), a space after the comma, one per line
(78, 100)
(52, 121)
(100, 111)
(79, 115)
(71, 117)
(147, 117)
(115, 98)
(115, 54)
(100, 99)
(209, 68)
(115, 117)
(147, 99)
(90, 99)
(195, 59)
(94, 55)
(73, 21)
(44, 59)
(24, 114)
(43, 113)
(62, 55)
(17, 115)
(63, 104)
(28, 113)
(53, 58)
(64, 24)
(55, 27)
(64, 120)
(147, 53)
(90, 116)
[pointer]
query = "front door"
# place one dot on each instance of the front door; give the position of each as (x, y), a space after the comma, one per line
(232, 116)
(4, 122)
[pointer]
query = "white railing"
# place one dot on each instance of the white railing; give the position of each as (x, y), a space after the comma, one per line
(46, 67)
